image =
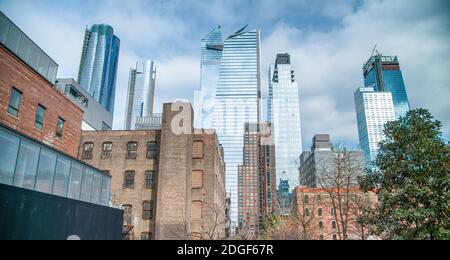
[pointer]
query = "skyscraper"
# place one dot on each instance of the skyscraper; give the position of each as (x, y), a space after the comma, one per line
(284, 113)
(256, 179)
(211, 56)
(383, 74)
(98, 65)
(237, 101)
(373, 110)
(141, 93)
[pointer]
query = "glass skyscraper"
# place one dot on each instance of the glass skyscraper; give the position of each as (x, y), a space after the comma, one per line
(383, 74)
(373, 110)
(237, 102)
(141, 93)
(98, 66)
(284, 114)
(211, 57)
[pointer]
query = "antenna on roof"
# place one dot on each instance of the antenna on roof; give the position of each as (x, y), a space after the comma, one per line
(374, 50)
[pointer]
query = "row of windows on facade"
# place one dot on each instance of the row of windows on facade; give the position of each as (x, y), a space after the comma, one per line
(147, 212)
(149, 179)
(14, 109)
(88, 147)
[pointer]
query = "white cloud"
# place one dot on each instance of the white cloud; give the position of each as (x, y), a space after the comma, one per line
(327, 56)
(328, 64)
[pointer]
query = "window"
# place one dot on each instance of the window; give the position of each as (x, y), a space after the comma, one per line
(10, 147)
(149, 182)
(152, 150)
(131, 150)
(27, 163)
(127, 214)
(305, 199)
(106, 150)
(307, 212)
(45, 171)
(197, 150)
(319, 212)
(75, 94)
(60, 128)
(145, 235)
(14, 102)
(86, 184)
(87, 150)
(334, 237)
(61, 182)
(333, 224)
(318, 198)
(147, 209)
(320, 224)
(128, 181)
(76, 173)
(39, 120)
(332, 211)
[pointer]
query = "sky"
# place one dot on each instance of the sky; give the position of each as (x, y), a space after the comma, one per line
(328, 42)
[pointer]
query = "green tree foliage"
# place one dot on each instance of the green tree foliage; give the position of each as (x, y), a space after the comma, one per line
(411, 176)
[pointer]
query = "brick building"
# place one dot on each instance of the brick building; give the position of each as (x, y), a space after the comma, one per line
(256, 180)
(330, 214)
(170, 183)
(28, 101)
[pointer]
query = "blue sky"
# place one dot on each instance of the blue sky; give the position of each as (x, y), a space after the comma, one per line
(328, 42)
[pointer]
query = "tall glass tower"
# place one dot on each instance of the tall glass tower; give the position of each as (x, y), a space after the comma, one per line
(373, 110)
(98, 66)
(141, 93)
(211, 56)
(237, 102)
(284, 114)
(383, 74)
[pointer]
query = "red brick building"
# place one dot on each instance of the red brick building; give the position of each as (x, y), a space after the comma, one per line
(330, 214)
(30, 104)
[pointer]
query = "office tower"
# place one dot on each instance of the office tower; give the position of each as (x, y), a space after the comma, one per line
(141, 93)
(284, 197)
(211, 56)
(384, 75)
(98, 66)
(318, 165)
(95, 116)
(256, 180)
(237, 101)
(284, 114)
(373, 110)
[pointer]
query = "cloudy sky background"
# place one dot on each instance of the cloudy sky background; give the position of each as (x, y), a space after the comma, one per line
(328, 42)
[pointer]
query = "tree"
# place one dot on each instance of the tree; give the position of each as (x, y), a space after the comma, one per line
(411, 178)
(338, 177)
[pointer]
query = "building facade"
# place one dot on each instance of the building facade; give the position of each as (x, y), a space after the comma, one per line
(318, 166)
(95, 116)
(284, 114)
(28, 101)
(256, 180)
(170, 184)
(211, 56)
(45, 192)
(373, 110)
(98, 65)
(141, 93)
(319, 212)
(237, 102)
(384, 75)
